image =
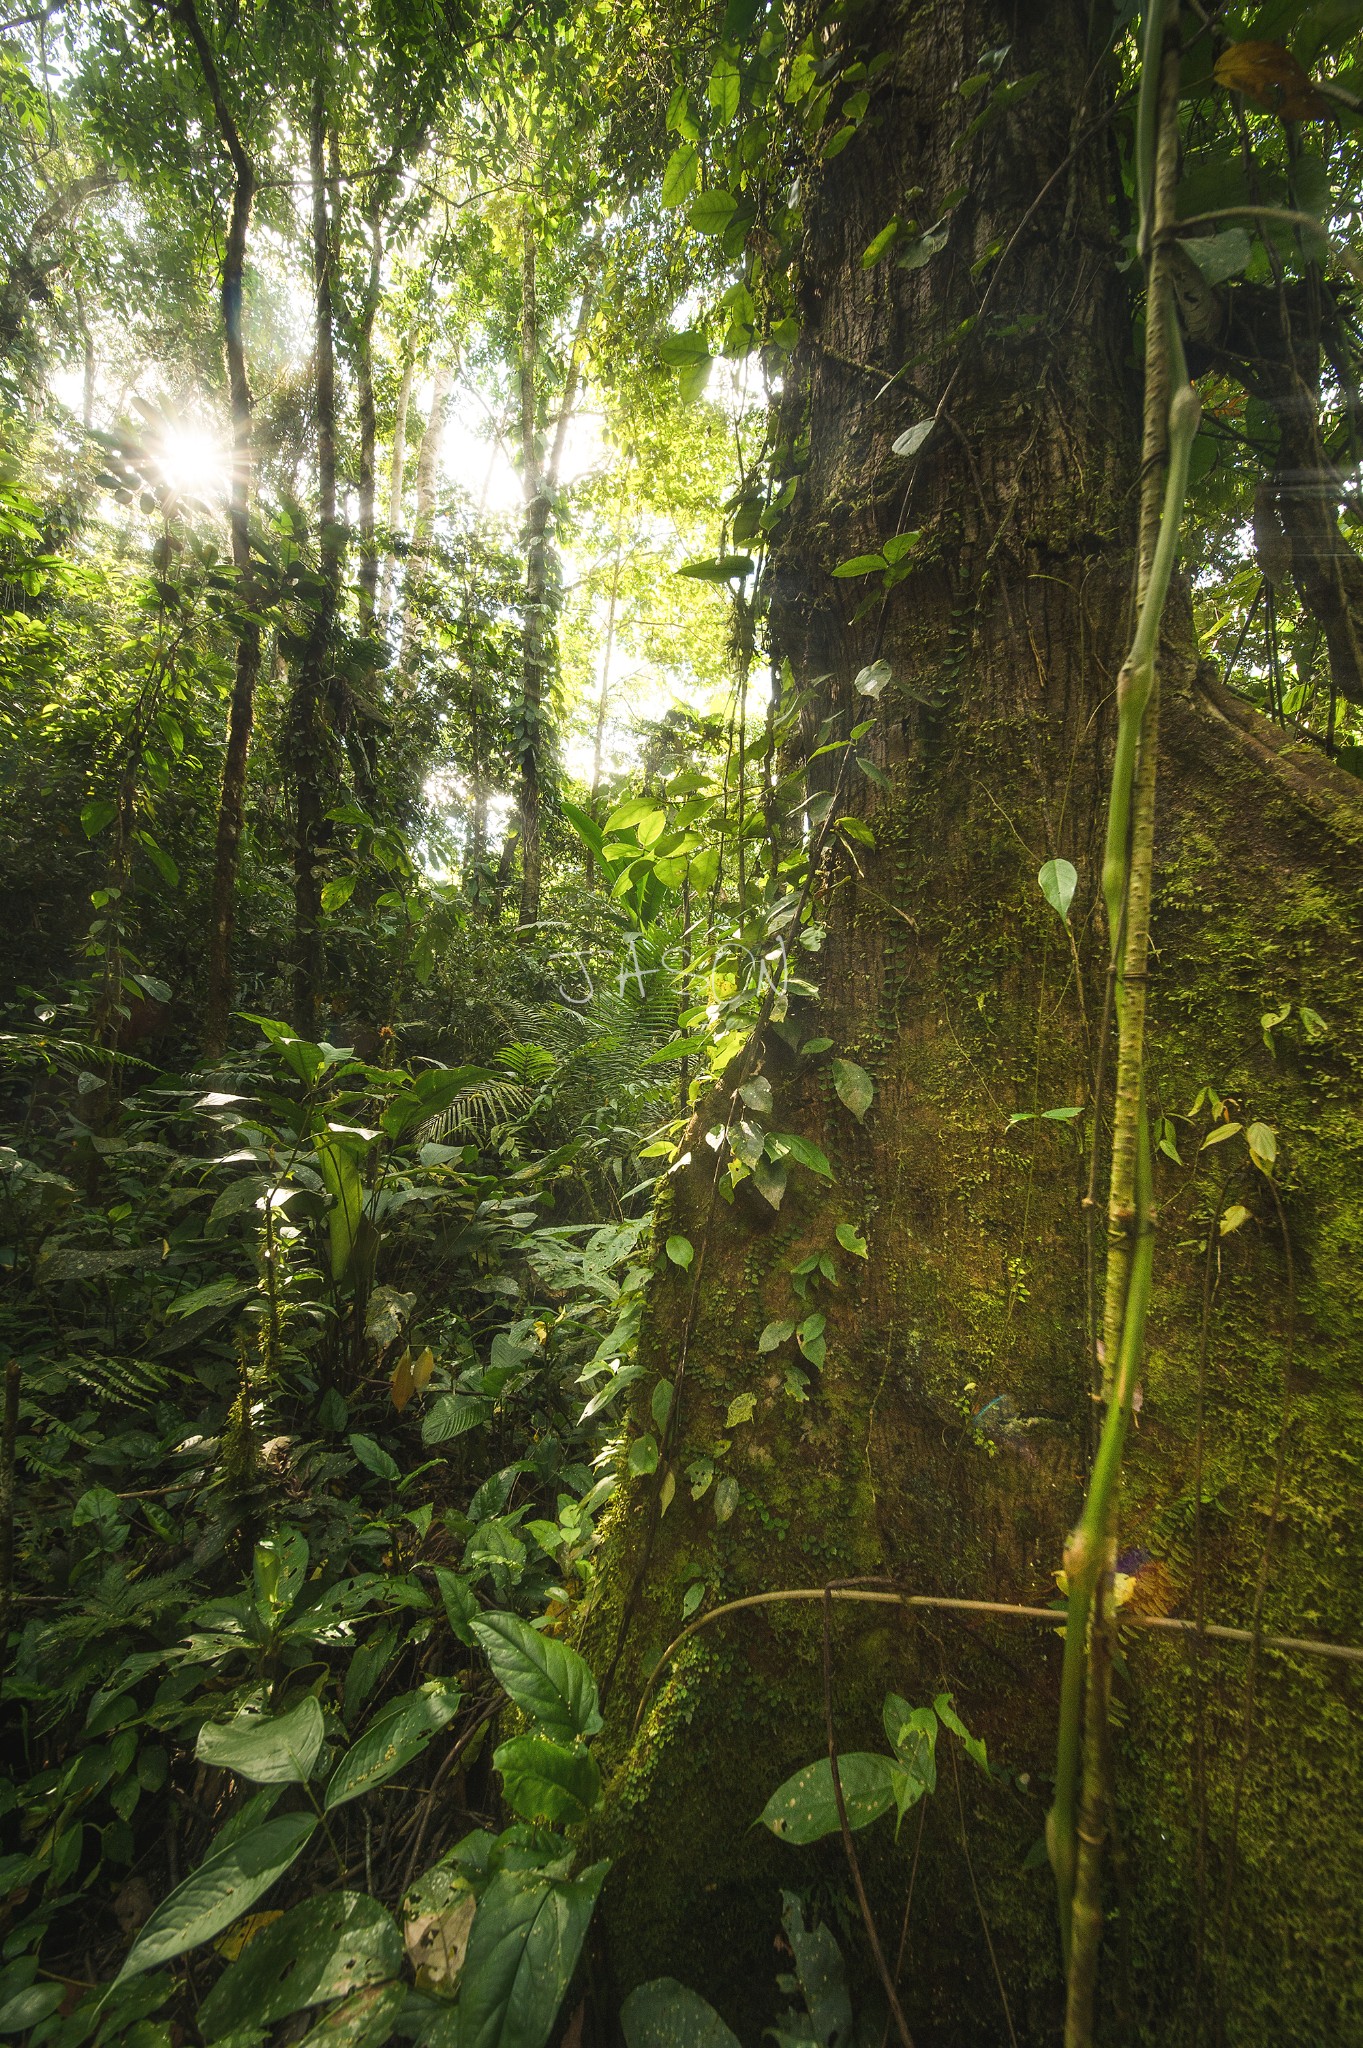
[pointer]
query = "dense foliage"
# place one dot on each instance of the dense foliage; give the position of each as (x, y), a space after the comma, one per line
(406, 821)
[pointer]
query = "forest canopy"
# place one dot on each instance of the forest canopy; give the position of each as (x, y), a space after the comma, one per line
(681, 1184)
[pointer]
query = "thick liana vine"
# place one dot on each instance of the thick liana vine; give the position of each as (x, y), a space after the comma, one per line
(1077, 1823)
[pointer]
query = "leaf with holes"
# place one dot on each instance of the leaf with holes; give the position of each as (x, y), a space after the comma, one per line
(225, 1885)
(270, 1749)
(805, 1808)
(323, 1949)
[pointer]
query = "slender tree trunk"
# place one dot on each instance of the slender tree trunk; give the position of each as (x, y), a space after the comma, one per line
(603, 699)
(241, 710)
(427, 466)
(310, 740)
(364, 382)
(396, 468)
(941, 1443)
(535, 635)
(539, 482)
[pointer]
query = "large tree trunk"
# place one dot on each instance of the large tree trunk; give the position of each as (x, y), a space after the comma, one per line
(947, 976)
(241, 711)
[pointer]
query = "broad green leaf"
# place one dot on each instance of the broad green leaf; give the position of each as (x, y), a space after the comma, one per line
(861, 565)
(774, 1335)
(223, 1887)
(821, 1974)
(899, 545)
(1219, 256)
(851, 1240)
(741, 1409)
(527, 1935)
(643, 1456)
(660, 1404)
(1218, 1135)
(726, 1497)
(328, 1946)
(27, 2007)
(554, 1782)
(340, 1170)
(855, 1088)
(665, 2014)
(546, 1679)
(454, 1415)
(681, 174)
(882, 243)
(1057, 881)
(711, 212)
(804, 1808)
(1263, 1146)
(1233, 1218)
(401, 1732)
(94, 816)
(375, 1458)
(338, 891)
(723, 88)
(909, 442)
(757, 1094)
(769, 1178)
(807, 1154)
(270, 1749)
(679, 1250)
(869, 682)
(364, 2020)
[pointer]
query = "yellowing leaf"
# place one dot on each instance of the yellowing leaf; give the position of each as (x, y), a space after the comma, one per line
(1262, 1140)
(234, 1941)
(1233, 1218)
(740, 1410)
(403, 1381)
(1271, 76)
(422, 1370)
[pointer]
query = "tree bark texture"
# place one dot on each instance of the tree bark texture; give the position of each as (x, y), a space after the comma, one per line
(944, 1441)
(536, 631)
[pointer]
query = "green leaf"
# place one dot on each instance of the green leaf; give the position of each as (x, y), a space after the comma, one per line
(726, 1497)
(270, 1749)
(722, 569)
(757, 1094)
(775, 1335)
(526, 1938)
(804, 1809)
(1219, 256)
(401, 1732)
(27, 2007)
(741, 1409)
(723, 88)
(861, 565)
(679, 1250)
(677, 350)
(660, 1404)
(1233, 1218)
(851, 1240)
(1057, 881)
(912, 439)
(804, 1153)
(643, 1456)
(949, 1718)
(323, 1949)
(884, 241)
(338, 891)
(665, 2014)
(223, 1887)
(711, 212)
(1218, 1135)
(546, 1679)
(769, 1178)
(855, 1088)
(899, 545)
(453, 1415)
(552, 1782)
(375, 1458)
(869, 682)
(1262, 1140)
(681, 175)
(99, 812)
(364, 2020)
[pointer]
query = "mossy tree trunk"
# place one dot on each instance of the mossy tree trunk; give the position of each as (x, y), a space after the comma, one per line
(948, 977)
